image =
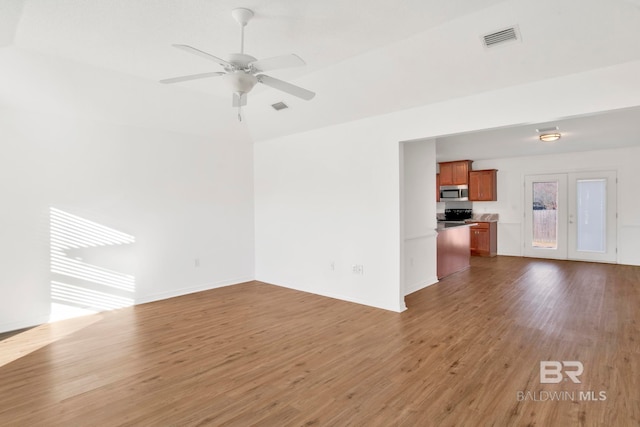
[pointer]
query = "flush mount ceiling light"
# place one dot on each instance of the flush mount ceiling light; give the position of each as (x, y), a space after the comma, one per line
(549, 134)
(550, 137)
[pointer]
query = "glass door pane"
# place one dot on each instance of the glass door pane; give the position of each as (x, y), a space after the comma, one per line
(591, 211)
(545, 215)
(592, 216)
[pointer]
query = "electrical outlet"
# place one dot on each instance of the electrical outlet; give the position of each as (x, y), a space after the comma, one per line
(357, 269)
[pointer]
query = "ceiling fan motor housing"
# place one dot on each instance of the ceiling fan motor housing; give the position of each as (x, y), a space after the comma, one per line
(241, 61)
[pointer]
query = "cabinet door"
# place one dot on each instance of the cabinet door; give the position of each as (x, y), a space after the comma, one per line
(484, 239)
(473, 241)
(480, 241)
(455, 173)
(482, 185)
(460, 173)
(446, 174)
(437, 187)
(474, 186)
(482, 236)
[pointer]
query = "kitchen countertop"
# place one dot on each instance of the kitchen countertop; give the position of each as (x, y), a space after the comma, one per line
(485, 217)
(445, 225)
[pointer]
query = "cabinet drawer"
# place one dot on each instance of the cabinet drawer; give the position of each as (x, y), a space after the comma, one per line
(481, 225)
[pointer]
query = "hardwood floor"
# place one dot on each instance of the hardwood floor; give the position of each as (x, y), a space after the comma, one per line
(257, 354)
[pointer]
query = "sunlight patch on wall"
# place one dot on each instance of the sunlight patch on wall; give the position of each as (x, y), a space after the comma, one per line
(84, 287)
(83, 296)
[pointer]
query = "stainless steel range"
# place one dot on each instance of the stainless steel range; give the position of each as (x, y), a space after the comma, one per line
(457, 214)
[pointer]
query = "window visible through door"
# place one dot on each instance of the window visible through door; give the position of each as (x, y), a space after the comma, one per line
(545, 214)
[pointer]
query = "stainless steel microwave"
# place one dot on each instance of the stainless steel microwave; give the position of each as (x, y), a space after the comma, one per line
(454, 193)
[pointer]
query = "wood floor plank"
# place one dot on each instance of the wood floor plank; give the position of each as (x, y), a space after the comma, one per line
(258, 354)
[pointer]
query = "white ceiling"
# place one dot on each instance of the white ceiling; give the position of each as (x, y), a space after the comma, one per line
(365, 58)
(134, 36)
(612, 129)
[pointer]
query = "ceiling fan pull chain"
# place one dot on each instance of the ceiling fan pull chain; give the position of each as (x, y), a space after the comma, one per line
(239, 113)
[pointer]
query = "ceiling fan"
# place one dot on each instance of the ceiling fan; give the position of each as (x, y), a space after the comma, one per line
(242, 72)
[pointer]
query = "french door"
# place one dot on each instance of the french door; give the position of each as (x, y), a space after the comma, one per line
(546, 217)
(571, 216)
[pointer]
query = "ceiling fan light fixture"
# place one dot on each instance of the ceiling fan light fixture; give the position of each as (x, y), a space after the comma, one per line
(550, 137)
(240, 81)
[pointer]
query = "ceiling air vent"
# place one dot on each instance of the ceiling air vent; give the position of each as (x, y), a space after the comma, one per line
(502, 36)
(279, 106)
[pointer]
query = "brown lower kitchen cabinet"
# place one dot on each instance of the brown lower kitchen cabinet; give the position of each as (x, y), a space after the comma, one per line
(484, 239)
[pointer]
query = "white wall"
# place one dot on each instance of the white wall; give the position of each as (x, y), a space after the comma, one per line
(510, 204)
(418, 169)
(333, 194)
(326, 198)
(182, 196)
(10, 14)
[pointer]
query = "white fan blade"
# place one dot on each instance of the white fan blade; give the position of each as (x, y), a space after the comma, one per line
(192, 77)
(286, 87)
(284, 61)
(239, 100)
(205, 55)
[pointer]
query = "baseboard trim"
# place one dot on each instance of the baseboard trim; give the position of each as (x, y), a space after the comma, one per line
(39, 320)
(190, 290)
(415, 287)
(22, 324)
(340, 297)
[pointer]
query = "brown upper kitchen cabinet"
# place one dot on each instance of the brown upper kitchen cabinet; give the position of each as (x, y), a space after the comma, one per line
(455, 173)
(483, 185)
(437, 187)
